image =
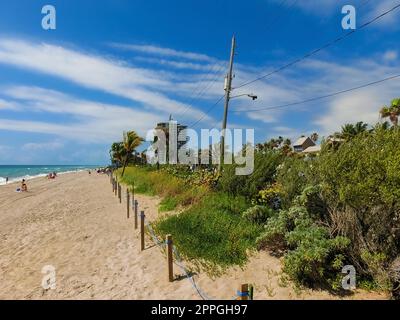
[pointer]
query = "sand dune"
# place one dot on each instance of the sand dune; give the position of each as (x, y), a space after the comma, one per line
(75, 224)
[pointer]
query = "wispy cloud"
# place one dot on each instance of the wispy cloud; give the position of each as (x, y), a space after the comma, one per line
(183, 65)
(390, 55)
(144, 86)
(91, 122)
(49, 146)
(314, 78)
(164, 52)
(95, 121)
(367, 9)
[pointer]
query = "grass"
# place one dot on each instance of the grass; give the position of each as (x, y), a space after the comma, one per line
(175, 191)
(168, 204)
(210, 232)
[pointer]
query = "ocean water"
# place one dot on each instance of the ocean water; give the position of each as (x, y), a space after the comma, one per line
(17, 173)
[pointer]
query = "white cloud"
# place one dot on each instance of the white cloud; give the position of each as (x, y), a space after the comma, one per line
(365, 10)
(314, 78)
(91, 122)
(162, 51)
(7, 105)
(49, 146)
(96, 122)
(361, 106)
(177, 64)
(390, 55)
(382, 6)
(112, 76)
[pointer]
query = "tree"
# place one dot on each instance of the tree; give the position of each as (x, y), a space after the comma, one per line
(392, 112)
(314, 137)
(360, 127)
(273, 144)
(130, 143)
(117, 153)
(349, 131)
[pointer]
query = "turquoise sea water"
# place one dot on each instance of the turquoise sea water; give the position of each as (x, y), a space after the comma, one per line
(17, 173)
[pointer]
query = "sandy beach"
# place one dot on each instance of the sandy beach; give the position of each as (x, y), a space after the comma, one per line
(77, 225)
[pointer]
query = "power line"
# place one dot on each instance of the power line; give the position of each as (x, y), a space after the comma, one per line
(329, 44)
(206, 87)
(215, 70)
(207, 111)
(281, 4)
(320, 97)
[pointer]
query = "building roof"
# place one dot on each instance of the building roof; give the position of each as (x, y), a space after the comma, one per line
(301, 141)
(313, 149)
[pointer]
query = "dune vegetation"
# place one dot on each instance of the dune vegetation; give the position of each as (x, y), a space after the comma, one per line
(318, 212)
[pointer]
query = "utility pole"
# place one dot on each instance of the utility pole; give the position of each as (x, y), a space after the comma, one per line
(228, 88)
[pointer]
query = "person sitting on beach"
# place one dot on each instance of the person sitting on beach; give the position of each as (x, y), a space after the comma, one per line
(24, 187)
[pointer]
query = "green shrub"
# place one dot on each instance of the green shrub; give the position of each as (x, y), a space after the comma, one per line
(265, 165)
(316, 259)
(293, 175)
(312, 256)
(212, 231)
(361, 187)
(279, 225)
(258, 214)
(270, 196)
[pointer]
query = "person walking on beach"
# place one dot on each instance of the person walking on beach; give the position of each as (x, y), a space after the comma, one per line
(6, 180)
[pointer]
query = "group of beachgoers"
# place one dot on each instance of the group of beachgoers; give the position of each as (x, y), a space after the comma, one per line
(53, 175)
(24, 186)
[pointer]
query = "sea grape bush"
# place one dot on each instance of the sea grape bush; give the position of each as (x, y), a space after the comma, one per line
(312, 257)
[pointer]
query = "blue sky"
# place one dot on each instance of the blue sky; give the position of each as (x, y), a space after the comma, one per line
(110, 66)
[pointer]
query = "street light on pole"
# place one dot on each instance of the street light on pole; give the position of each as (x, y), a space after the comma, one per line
(228, 89)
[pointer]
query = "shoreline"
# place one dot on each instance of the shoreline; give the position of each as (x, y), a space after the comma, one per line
(16, 180)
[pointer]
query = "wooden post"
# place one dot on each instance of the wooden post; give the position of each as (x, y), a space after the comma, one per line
(133, 193)
(113, 185)
(243, 292)
(142, 230)
(116, 186)
(251, 292)
(136, 213)
(119, 193)
(127, 203)
(170, 258)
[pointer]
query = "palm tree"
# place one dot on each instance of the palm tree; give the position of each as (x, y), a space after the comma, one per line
(381, 126)
(130, 143)
(117, 153)
(314, 137)
(286, 147)
(392, 112)
(347, 132)
(360, 127)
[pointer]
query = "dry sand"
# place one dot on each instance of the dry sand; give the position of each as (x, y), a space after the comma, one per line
(76, 224)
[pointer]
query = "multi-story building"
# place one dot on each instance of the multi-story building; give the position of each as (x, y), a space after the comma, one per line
(176, 130)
